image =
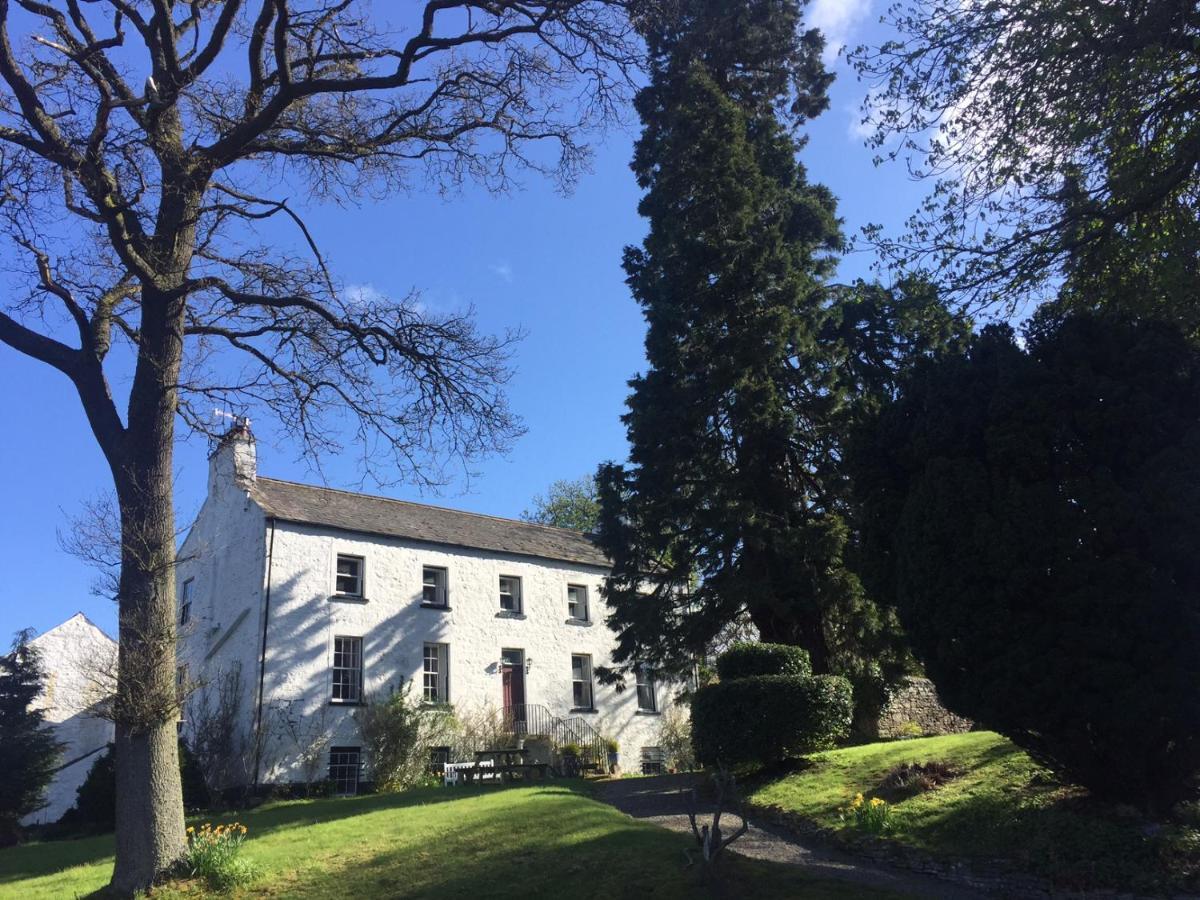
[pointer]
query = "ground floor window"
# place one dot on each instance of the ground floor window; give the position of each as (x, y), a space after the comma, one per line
(654, 761)
(344, 764)
(581, 682)
(347, 670)
(436, 674)
(438, 757)
(646, 694)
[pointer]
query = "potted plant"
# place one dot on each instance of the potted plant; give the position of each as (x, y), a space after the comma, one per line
(570, 759)
(613, 750)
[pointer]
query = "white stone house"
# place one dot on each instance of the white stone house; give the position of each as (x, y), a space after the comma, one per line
(78, 660)
(318, 599)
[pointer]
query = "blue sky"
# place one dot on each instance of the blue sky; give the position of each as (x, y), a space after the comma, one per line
(534, 259)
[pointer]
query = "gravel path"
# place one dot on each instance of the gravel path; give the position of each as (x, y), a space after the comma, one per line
(658, 799)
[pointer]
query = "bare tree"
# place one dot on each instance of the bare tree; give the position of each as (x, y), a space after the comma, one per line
(142, 143)
(711, 839)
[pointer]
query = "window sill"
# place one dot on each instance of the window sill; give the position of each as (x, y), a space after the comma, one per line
(648, 712)
(510, 614)
(347, 598)
(347, 703)
(584, 709)
(440, 607)
(580, 623)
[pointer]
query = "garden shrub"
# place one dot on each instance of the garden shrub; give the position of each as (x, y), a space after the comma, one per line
(674, 737)
(767, 718)
(95, 806)
(1033, 512)
(214, 855)
(398, 736)
(746, 658)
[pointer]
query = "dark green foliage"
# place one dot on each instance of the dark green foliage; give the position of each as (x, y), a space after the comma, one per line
(747, 658)
(28, 751)
(191, 775)
(95, 806)
(767, 718)
(1035, 514)
(733, 501)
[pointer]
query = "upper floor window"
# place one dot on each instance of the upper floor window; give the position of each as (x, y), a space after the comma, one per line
(510, 593)
(349, 575)
(347, 669)
(433, 586)
(185, 602)
(647, 691)
(581, 682)
(436, 674)
(577, 602)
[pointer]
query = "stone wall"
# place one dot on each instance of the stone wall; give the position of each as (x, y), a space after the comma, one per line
(914, 711)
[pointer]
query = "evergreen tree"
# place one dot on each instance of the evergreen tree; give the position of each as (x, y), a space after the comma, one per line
(28, 750)
(734, 498)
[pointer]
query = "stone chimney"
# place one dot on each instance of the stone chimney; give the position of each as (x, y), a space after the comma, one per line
(233, 462)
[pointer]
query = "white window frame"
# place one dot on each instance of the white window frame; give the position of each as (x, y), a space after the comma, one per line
(437, 680)
(647, 682)
(583, 592)
(583, 687)
(361, 577)
(441, 586)
(185, 601)
(513, 593)
(354, 687)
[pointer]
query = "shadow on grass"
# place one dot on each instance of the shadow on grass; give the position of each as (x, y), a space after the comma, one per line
(47, 857)
(558, 844)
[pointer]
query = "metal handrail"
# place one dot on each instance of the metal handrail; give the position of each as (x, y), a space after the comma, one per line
(535, 720)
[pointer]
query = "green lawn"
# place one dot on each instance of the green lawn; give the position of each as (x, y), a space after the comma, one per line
(1003, 806)
(542, 841)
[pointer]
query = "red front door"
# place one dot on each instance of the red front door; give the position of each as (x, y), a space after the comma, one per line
(512, 676)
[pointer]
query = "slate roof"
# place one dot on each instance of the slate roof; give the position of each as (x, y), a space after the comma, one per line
(331, 508)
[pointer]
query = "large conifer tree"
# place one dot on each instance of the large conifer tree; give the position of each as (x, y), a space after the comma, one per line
(732, 500)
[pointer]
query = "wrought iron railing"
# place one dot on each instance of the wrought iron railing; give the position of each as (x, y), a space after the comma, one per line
(535, 720)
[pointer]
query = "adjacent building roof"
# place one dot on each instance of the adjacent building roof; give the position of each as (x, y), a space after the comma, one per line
(331, 508)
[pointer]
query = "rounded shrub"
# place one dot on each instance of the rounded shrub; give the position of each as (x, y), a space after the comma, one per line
(767, 718)
(746, 659)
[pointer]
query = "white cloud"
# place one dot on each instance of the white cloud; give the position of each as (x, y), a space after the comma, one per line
(503, 270)
(361, 294)
(838, 20)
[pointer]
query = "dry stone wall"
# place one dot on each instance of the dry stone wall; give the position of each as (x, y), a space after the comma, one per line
(915, 711)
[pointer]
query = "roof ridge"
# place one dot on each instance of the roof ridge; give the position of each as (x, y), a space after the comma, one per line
(78, 614)
(461, 512)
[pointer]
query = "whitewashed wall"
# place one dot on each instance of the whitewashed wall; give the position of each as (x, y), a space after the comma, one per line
(228, 558)
(78, 659)
(224, 556)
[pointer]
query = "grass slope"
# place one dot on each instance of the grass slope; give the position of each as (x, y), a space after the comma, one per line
(543, 841)
(1003, 806)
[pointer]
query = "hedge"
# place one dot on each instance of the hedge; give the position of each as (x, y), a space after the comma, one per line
(767, 718)
(744, 660)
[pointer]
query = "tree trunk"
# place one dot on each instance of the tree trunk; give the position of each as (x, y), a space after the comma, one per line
(150, 835)
(796, 628)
